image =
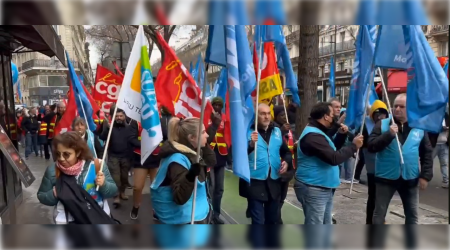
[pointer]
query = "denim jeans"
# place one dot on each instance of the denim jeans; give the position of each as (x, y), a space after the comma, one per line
(383, 196)
(317, 203)
(348, 168)
(31, 144)
(441, 150)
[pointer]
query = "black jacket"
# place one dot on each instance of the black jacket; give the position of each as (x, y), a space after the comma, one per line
(99, 149)
(30, 124)
(261, 189)
(378, 141)
(316, 145)
(122, 142)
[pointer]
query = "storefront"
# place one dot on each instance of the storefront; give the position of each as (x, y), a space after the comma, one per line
(14, 39)
(47, 95)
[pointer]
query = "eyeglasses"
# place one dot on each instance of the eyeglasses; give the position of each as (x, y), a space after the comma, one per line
(65, 155)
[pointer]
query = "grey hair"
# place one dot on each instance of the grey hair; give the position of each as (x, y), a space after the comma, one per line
(78, 120)
(333, 99)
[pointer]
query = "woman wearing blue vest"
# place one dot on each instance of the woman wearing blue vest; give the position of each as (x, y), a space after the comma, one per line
(390, 174)
(318, 157)
(172, 190)
(79, 125)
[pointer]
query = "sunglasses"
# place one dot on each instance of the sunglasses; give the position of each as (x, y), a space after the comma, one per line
(65, 155)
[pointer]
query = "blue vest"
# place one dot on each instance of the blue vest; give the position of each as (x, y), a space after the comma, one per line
(167, 211)
(267, 156)
(388, 164)
(312, 170)
(370, 159)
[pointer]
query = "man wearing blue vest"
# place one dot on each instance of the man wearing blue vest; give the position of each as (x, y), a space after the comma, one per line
(318, 157)
(390, 174)
(273, 160)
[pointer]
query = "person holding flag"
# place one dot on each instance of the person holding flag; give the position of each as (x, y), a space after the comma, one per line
(318, 157)
(390, 174)
(79, 125)
(273, 159)
(172, 191)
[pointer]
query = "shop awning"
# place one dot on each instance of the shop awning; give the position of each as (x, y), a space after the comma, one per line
(397, 81)
(40, 38)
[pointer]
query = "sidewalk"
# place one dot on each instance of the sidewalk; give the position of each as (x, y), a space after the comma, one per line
(351, 209)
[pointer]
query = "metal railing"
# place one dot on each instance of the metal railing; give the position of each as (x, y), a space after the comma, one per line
(437, 29)
(340, 47)
(43, 63)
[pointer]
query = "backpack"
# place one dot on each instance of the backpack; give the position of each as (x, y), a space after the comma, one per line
(79, 203)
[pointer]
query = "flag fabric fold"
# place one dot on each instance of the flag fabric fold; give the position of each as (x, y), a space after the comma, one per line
(427, 87)
(331, 79)
(274, 33)
(363, 75)
(138, 97)
(84, 103)
(182, 97)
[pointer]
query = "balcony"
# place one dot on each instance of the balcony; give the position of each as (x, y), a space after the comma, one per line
(340, 47)
(437, 30)
(43, 64)
(293, 37)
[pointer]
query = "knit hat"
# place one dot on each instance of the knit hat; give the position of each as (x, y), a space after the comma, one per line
(378, 106)
(217, 100)
(277, 110)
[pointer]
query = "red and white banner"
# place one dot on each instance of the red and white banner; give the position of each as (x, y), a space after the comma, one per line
(107, 88)
(176, 89)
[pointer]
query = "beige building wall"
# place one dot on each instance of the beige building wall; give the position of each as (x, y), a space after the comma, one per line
(73, 39)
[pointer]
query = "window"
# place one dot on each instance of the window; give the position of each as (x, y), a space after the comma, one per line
(443, 48)
(322, 71)
(57, 81)
(322, 41)
(341, 66)
(333, 39)
(32, 81)
(342, 36)
(43, 81)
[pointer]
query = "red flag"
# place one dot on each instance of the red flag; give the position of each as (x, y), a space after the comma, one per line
(65, 124)
(94, 105)
(107, 88)
(176, 89)
(117, 68)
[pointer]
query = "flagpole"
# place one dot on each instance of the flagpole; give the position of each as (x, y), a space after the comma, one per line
(107, 140)
(197, 158)
(392, 116)
(257, 90)
(368, 91)
(87, 123)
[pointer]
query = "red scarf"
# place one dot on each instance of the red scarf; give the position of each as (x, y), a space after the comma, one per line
(74, 170)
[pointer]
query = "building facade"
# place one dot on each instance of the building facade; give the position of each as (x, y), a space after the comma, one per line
(42, 78)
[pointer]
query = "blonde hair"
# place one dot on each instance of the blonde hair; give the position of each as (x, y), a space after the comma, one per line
(181, 128)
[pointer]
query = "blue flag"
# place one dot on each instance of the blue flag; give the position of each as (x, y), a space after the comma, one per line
(331, 80)
(446, 69)
(241, 82)
(362, 78)
(222, 82)
(427, 88)
(83, 105)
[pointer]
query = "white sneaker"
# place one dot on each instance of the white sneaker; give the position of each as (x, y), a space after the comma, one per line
(355, 181)
(346, 182)
(444, 185)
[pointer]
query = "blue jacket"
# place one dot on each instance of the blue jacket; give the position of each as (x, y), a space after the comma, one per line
(167, 211)
(268, 156)
(388, 164)
(313, 171)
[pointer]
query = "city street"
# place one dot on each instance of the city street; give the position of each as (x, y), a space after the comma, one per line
(348, 209)
(434, 195)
